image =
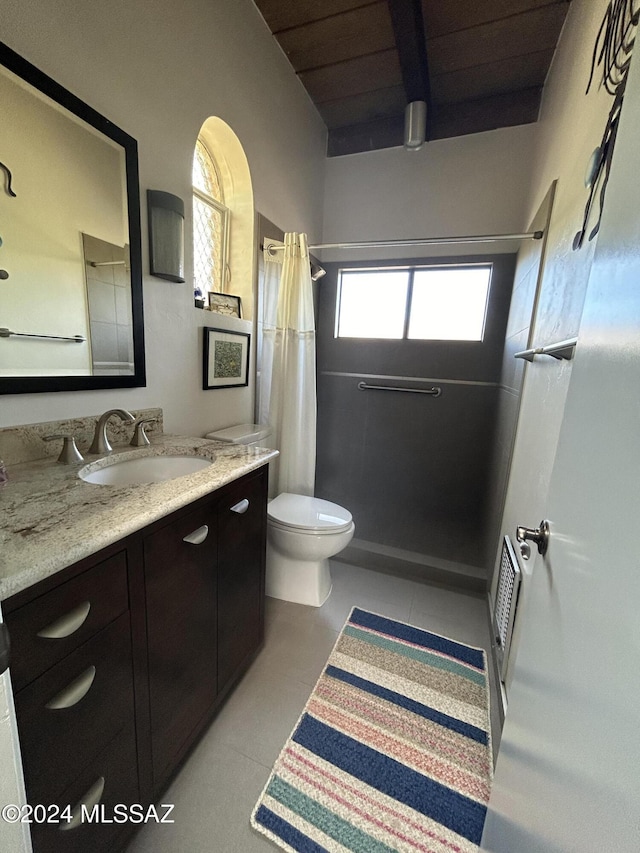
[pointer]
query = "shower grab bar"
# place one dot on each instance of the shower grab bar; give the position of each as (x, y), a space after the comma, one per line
(561, 350)
(433, 392)
(7, 333)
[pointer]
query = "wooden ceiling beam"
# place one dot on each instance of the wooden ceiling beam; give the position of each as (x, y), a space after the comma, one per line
(339, 38)
(365, 107)
(283, 14)
(408, 27)
(482, 114)
(353, 77)
(368, 136)
(472, 116)
(443, 17)
(492, 78)
(514, 36)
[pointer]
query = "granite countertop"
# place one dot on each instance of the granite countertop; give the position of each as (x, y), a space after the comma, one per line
(50, 518)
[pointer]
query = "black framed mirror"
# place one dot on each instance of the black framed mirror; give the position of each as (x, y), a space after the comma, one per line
(71, 312)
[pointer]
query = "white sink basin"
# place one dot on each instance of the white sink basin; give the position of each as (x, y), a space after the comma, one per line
(144, 469)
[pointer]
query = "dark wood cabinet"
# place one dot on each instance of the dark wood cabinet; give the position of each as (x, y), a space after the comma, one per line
(108, 780)
(120, 661)
(72, 711)
(180, 583)
(51, 626)
(242, 525)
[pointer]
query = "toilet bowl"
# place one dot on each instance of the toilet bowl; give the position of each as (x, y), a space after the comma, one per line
(302, 533)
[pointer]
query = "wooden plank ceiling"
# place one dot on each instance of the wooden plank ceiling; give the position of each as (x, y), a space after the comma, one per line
(479, 64)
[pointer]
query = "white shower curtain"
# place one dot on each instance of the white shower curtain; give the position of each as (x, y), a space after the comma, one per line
(288, 370)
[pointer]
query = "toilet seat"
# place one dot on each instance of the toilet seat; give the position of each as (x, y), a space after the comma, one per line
(305, 514)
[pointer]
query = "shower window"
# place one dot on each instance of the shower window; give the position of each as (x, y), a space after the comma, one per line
(210, 225)
(446, 303)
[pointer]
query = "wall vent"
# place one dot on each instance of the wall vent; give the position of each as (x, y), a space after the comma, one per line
(504, 611)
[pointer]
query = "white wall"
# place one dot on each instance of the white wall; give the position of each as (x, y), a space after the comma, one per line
(570, 127)
(476, 184)
(158, 71)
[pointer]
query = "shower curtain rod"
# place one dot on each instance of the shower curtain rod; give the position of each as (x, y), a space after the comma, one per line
(427, 241)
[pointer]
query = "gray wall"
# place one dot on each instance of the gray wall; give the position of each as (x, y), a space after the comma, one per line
(412, 469)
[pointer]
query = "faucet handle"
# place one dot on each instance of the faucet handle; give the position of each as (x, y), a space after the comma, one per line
(140, 437)
(70, 452)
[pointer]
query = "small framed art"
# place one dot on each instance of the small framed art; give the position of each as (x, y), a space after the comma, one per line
(224, 303)
(226, 359)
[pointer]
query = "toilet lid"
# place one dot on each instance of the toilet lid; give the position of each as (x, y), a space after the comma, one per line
(312, 514)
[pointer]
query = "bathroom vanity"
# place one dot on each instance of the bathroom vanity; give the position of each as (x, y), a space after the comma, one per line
(120, 659)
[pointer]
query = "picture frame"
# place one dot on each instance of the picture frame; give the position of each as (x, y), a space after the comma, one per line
(226, 358)
(225, 303)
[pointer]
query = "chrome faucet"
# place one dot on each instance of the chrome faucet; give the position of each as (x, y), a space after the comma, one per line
(100, 442)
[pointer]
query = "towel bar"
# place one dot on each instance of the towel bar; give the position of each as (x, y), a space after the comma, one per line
(433, 392)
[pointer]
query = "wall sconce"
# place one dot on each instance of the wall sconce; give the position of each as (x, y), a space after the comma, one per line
(166, 235)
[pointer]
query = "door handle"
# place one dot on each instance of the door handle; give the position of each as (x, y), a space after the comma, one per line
(198, 536)
(539, 535)
(86, 804)
(74, 692)
(240, 507)
(67, 624)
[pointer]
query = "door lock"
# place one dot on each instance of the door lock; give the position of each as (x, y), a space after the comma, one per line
(539, 535)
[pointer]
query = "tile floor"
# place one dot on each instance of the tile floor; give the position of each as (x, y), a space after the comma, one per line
(219, 785)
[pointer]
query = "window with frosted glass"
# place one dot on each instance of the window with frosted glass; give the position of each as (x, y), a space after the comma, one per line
(372, 304)
(449, 304)
(210, 224)
(418, 303)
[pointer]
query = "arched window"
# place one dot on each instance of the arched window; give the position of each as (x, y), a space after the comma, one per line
(210, 225)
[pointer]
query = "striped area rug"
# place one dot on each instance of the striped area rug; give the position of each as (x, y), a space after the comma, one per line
(392, 751)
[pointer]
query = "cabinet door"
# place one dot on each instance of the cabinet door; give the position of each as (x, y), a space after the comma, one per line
(241, 554)
(108, 781)
(55, 623)
(74, 710)
(180, 580)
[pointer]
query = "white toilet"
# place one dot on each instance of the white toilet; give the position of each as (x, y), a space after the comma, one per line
(302, 533)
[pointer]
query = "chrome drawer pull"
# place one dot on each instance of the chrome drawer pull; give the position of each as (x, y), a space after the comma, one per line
(89, 801)
(67, 624)
(241, 507)
(198, 536)
(73, 692)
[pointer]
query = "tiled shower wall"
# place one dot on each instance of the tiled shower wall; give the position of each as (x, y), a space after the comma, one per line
(110, 320)
(412, 469)
(518, 337)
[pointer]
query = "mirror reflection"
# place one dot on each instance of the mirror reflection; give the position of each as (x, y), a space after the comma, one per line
(68, 303)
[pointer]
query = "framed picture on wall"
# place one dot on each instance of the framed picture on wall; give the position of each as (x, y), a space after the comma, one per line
(226, 359)
(224, 303)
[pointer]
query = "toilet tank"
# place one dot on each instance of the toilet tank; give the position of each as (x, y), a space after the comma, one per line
(243, 434)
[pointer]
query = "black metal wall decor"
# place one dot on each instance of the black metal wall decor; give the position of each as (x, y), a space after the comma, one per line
(612, 50)
(7, 171)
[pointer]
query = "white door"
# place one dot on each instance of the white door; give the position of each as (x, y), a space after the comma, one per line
(568, 771)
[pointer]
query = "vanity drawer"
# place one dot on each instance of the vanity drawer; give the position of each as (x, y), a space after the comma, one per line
(51, 626)
(74, 709)
(111, 778)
